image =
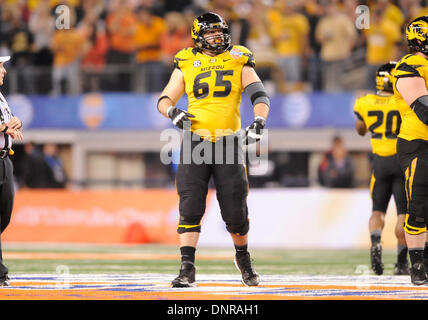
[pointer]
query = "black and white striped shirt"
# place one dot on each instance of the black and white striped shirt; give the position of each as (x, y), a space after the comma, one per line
(5, 116)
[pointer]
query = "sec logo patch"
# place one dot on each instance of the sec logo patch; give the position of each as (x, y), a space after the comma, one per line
(197, 63)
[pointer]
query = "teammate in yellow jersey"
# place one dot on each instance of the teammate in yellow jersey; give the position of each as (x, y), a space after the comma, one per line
(213, 75)
(379, 114)
(410, 85)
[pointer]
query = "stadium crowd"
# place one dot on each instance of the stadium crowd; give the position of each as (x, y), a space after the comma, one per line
(128, 45)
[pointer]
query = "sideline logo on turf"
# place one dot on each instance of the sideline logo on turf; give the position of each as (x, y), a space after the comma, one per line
(363, 281)
(63, 281)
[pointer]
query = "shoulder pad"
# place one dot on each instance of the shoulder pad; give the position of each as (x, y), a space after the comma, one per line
(359, 102)
(408, 66)
(366, 98)
(183, 55)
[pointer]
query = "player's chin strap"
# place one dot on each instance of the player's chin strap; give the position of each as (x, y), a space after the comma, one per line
(420, 107)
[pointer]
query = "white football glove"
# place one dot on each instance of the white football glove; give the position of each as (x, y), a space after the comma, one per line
(254, 132)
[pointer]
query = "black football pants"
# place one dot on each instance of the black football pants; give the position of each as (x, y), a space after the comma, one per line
(6, 201)
(230, 178)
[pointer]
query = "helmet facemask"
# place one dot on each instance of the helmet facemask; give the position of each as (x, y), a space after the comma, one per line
(200, 27)
(384, 77)
(417, 35)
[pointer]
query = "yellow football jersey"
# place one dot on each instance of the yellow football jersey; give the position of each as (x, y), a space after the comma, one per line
(411, 65)
(381, 114)
(213, 86)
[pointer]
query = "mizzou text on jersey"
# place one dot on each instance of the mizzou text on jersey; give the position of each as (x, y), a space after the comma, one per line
(213, 86)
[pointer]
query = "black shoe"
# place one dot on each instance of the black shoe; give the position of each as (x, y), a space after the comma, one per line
(249, 275)
(5, 281)
(186, 277)
(376, 259)
(401, 268)
(417, 274)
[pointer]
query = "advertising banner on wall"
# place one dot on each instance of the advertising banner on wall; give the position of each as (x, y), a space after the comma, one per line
(281, 218)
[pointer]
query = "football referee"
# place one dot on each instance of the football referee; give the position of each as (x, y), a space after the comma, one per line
(10, 127)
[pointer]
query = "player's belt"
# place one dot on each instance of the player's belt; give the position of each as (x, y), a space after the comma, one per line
(4, 153)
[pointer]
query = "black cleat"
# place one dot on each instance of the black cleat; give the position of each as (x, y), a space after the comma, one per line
(418, 275)
(401, 269)
(376, 259)
(5, 281)
(186, 277)
(249, 275)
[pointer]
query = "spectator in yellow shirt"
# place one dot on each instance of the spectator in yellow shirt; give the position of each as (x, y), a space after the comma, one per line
(68, 46)
(336, 34)
(147, 39)
(289, 31)
(392, 12)
(382, 38)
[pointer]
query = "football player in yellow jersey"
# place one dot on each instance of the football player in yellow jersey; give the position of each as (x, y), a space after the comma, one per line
(213, 75)
(379, 114)
(410, 84)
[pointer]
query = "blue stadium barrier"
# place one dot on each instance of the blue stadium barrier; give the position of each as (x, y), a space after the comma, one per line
(128, 111)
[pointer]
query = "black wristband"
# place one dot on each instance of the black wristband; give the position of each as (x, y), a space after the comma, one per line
(5, 129)
(159, 100)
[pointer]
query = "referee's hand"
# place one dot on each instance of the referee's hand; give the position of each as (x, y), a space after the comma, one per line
(178, 116)
(14, 123)
(254, 132)
(15, 134)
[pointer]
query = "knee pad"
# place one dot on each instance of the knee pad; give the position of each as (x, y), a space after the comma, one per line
(234, 211)
(183, 228)
(191, 224)
(240, 230)
(415, 225)
(192, 208)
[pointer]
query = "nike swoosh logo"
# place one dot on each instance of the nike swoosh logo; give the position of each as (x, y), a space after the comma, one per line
(224, 60)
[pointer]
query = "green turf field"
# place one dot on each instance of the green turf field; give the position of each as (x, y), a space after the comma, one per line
(266, 261)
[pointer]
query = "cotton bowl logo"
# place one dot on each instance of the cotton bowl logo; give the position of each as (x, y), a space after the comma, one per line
(92, 110)
(236, 53)
(21, 107)
(296, 110)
